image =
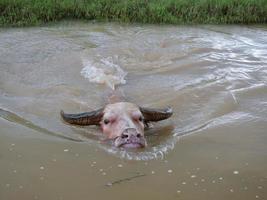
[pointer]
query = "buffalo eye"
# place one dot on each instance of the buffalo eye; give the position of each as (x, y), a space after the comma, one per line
(106, 121)
(141, 119)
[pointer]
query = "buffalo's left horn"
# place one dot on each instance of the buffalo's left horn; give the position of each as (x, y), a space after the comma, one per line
(83, 119)
(154, 115)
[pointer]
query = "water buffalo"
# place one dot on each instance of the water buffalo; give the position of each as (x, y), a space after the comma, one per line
(122, 122)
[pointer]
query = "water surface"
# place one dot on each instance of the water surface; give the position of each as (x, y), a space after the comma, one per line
(214, 77)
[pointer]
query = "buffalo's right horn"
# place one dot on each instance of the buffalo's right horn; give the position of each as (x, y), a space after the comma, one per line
(83, 119)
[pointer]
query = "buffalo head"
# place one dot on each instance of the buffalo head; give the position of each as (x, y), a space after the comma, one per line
(123, 122)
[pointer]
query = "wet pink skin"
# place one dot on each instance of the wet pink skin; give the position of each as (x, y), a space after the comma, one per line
(118, 118)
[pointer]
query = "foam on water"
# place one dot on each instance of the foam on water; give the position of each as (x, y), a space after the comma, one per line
(103, 71)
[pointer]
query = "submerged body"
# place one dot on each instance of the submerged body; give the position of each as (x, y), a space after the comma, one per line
(122, 122)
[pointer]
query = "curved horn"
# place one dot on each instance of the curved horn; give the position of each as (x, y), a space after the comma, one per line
(154, 115)
(83, 119)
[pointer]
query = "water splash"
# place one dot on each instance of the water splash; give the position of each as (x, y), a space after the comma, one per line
(154, 150)
(104, 71)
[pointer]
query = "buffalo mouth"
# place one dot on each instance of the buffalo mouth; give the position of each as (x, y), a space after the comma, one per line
(130, 144)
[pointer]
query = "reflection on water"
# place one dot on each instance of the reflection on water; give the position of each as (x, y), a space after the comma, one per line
(214, 77)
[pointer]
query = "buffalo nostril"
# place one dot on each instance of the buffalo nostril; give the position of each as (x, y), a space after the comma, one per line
(124, 136)
(138, 135)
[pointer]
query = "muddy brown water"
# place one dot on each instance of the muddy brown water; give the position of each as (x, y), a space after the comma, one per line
(214, 77)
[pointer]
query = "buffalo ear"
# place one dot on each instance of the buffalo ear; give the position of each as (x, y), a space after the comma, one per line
(154, 115)
(83, 119)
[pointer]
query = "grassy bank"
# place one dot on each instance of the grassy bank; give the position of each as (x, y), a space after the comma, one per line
(35, 12)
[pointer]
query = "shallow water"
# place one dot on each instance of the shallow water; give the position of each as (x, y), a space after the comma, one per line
(214, 77)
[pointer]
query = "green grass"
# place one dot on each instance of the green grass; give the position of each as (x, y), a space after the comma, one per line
(36, 12)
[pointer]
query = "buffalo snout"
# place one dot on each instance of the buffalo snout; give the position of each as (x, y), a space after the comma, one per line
(130, 138)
